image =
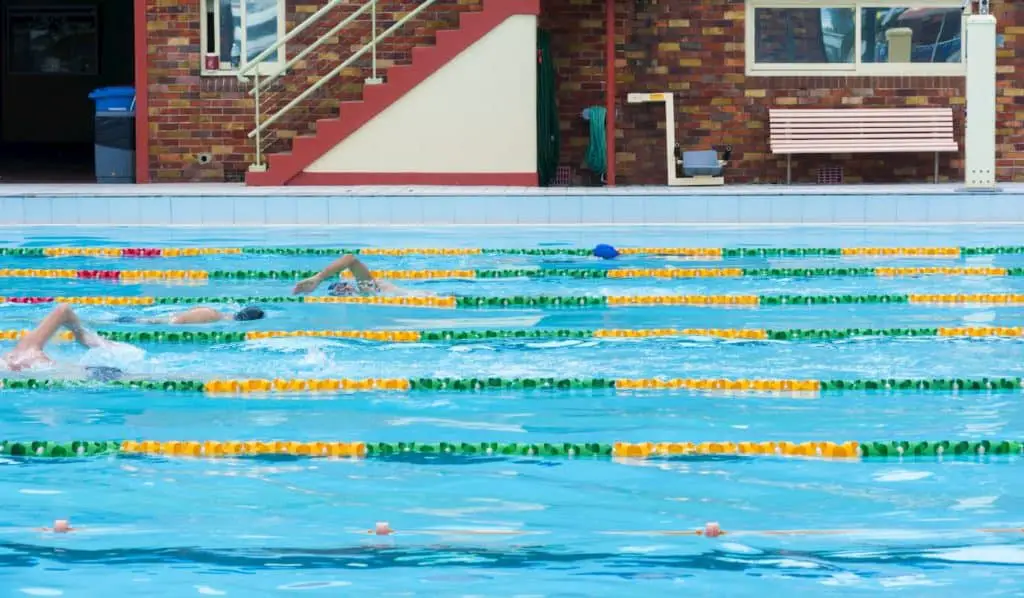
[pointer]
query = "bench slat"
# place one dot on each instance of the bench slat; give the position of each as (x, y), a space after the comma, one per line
(858, 111)
(859, 121)
(878, 148)
(865, 125)
(845, 136)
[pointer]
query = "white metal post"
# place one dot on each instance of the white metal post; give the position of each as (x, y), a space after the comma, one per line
(374, 79)
(258, 166)
(980, 130)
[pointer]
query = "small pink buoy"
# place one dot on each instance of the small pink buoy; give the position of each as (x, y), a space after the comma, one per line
(61, 526)
(712, 529)
(383, 529)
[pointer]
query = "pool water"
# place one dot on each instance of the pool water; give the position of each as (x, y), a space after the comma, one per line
(260, 526)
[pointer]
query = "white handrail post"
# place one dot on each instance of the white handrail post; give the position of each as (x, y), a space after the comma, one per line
(259, 166)
(374, 79)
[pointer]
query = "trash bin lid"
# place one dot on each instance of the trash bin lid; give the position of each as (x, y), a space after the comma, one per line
(112, 92)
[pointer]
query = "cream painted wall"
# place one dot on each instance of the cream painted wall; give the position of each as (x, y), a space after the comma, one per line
(477, 114)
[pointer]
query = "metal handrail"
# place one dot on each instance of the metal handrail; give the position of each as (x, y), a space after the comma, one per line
(335, 72)
(276, 46)
(334, 30)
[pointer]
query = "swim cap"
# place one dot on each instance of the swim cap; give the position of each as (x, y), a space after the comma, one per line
(249, 313)
(606, 252)
(102, 373)
(341, 289)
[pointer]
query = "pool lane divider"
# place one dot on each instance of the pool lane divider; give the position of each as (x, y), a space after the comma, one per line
(496, 274)
(287, 386)
(696, 252)
(418, 336)
(551, 301)
(848, 450)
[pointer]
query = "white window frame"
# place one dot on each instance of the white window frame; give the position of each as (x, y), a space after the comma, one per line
(857, 68)
(268, 67)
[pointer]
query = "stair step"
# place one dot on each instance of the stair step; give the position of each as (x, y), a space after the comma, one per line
(372, 93)
(399, 75)
(299, 143)
(351, 109)
(324, 125)
(421, 53)
(468, 19)
(447, 38)
(281, 159)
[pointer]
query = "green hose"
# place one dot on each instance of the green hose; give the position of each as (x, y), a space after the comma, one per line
(597, 152)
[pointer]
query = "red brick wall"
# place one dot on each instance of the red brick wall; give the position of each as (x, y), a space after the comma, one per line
(191, 114)
(696, 49)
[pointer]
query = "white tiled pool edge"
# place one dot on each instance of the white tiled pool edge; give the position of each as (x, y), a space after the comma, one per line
(231, 205)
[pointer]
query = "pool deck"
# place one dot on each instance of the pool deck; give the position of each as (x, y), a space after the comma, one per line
(226, 204)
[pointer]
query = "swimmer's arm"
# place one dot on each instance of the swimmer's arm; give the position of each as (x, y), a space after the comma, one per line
(346, 262)
(199, 315)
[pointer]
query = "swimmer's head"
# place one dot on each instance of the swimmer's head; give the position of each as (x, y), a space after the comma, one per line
(342, 289)
(102, 373)
(250, 313)
(606, 252)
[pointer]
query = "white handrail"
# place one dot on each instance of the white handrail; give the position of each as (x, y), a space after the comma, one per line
(338, 69)
(273, 49)
(334, 30)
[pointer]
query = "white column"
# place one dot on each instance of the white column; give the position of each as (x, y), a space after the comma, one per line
(980, 144)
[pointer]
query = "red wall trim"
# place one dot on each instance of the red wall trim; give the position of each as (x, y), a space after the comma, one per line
(609, 99)
(141, 94)
(497, 179)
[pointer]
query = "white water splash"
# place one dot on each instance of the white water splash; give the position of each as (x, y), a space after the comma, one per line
(901, 475)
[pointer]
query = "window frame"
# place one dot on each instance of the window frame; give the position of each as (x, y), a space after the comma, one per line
(266, 68)
(856, 68)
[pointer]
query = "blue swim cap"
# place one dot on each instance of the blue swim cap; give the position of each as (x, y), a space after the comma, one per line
(606, 252)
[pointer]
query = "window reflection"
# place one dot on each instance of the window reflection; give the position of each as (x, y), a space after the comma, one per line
(910, 34)
(804, 35)
(260, 26)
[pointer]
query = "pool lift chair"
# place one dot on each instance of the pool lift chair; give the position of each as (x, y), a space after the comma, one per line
(690, 168)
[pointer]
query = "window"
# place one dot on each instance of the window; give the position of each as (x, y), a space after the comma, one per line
(52, 41)
(236, 31)
(850, 37)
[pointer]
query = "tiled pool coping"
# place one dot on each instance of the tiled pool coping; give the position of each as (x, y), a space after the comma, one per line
(228, 204)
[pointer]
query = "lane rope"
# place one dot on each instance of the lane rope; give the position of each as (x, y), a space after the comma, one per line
(554, 301)
(416, 336)
(630, 450)
(775, 386)
(696, 252)
(494, 274)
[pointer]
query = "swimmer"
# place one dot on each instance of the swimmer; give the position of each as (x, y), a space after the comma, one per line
(199, 315)
(364, 283)
(28, 353)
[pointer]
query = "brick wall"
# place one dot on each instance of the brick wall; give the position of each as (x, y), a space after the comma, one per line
(696, 50)
(191, 114)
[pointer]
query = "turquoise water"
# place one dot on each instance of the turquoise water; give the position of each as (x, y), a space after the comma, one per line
(273, 526)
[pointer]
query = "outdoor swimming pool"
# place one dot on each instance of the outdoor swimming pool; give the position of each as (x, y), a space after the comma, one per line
(494, 524)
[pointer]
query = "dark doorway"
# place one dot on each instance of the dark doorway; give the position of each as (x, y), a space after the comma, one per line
(53, 53)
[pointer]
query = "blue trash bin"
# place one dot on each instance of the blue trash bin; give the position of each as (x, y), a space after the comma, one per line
(115, 134)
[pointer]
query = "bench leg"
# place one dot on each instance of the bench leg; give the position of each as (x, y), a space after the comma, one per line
(789, 168)
(936, 167)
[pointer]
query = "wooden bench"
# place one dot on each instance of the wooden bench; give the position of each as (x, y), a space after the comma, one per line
(860, 130)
